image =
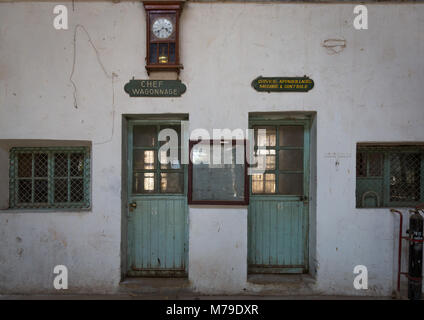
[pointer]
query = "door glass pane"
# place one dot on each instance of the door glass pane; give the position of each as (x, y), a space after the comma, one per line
(270, 158)
(173, 163)
(171, 182)
(144, 182)
(144, 159)
(291, 136)
(144, 136)
(269, 139)
(291, 160)
(263, 183)
(290, 183)
(177, 129)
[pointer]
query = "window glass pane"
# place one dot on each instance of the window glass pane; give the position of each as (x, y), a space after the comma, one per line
(405, 177)
(60, 165)
(57, 177)
(361, 164)
(291, 160)
(269, 139)
(144, 160)
(60, 190)
(172, 182)
(41, 191)
(77, 190)
(40, 164)
(290, 183)
(144, 182)
(375, 161)
(24, 190)
(77, 164)
(24, 165)
(144, 136)
(291, 136)
(217, 182)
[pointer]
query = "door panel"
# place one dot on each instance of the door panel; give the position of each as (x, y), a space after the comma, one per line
(278, 210)
(157, 210)
(158, 226)
(276, 236)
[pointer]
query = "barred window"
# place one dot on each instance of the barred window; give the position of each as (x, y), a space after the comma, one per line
(388, 176)
(49, 177)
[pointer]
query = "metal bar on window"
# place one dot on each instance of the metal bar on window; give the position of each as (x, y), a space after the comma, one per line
(50, 178)
(31, 201)
(32, 177)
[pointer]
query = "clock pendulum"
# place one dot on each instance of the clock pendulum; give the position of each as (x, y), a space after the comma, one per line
(163, 58)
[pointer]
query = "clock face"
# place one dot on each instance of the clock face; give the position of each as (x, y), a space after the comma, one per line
(162, 28)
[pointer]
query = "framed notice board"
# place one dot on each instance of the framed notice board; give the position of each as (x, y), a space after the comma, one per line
(218, 173)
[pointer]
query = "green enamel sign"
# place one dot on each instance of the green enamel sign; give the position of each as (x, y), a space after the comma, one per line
(282, 84)
(155, 88)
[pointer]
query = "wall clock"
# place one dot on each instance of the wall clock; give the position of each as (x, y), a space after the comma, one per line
(162, 39)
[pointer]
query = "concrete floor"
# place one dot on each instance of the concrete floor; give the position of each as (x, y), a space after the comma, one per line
(180, 297)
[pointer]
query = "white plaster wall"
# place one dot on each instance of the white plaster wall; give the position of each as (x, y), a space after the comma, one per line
(372, 91)
(218, 249)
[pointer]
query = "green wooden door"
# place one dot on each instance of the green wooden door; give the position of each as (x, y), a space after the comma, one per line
(157, 204)
(278, 209)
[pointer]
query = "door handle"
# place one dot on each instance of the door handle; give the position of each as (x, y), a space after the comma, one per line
(133, 205)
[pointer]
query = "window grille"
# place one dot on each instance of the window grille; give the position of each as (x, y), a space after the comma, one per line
(389, 176)
(49, 177)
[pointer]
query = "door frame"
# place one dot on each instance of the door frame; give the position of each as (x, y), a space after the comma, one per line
(127, 163)
(275, 120)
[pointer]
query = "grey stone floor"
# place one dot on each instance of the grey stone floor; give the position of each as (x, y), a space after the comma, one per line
(180, 297)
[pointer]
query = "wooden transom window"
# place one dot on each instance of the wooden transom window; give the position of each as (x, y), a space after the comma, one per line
(56, 177)
(283, 147)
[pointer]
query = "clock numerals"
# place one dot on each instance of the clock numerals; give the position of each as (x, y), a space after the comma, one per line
(162, 28)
